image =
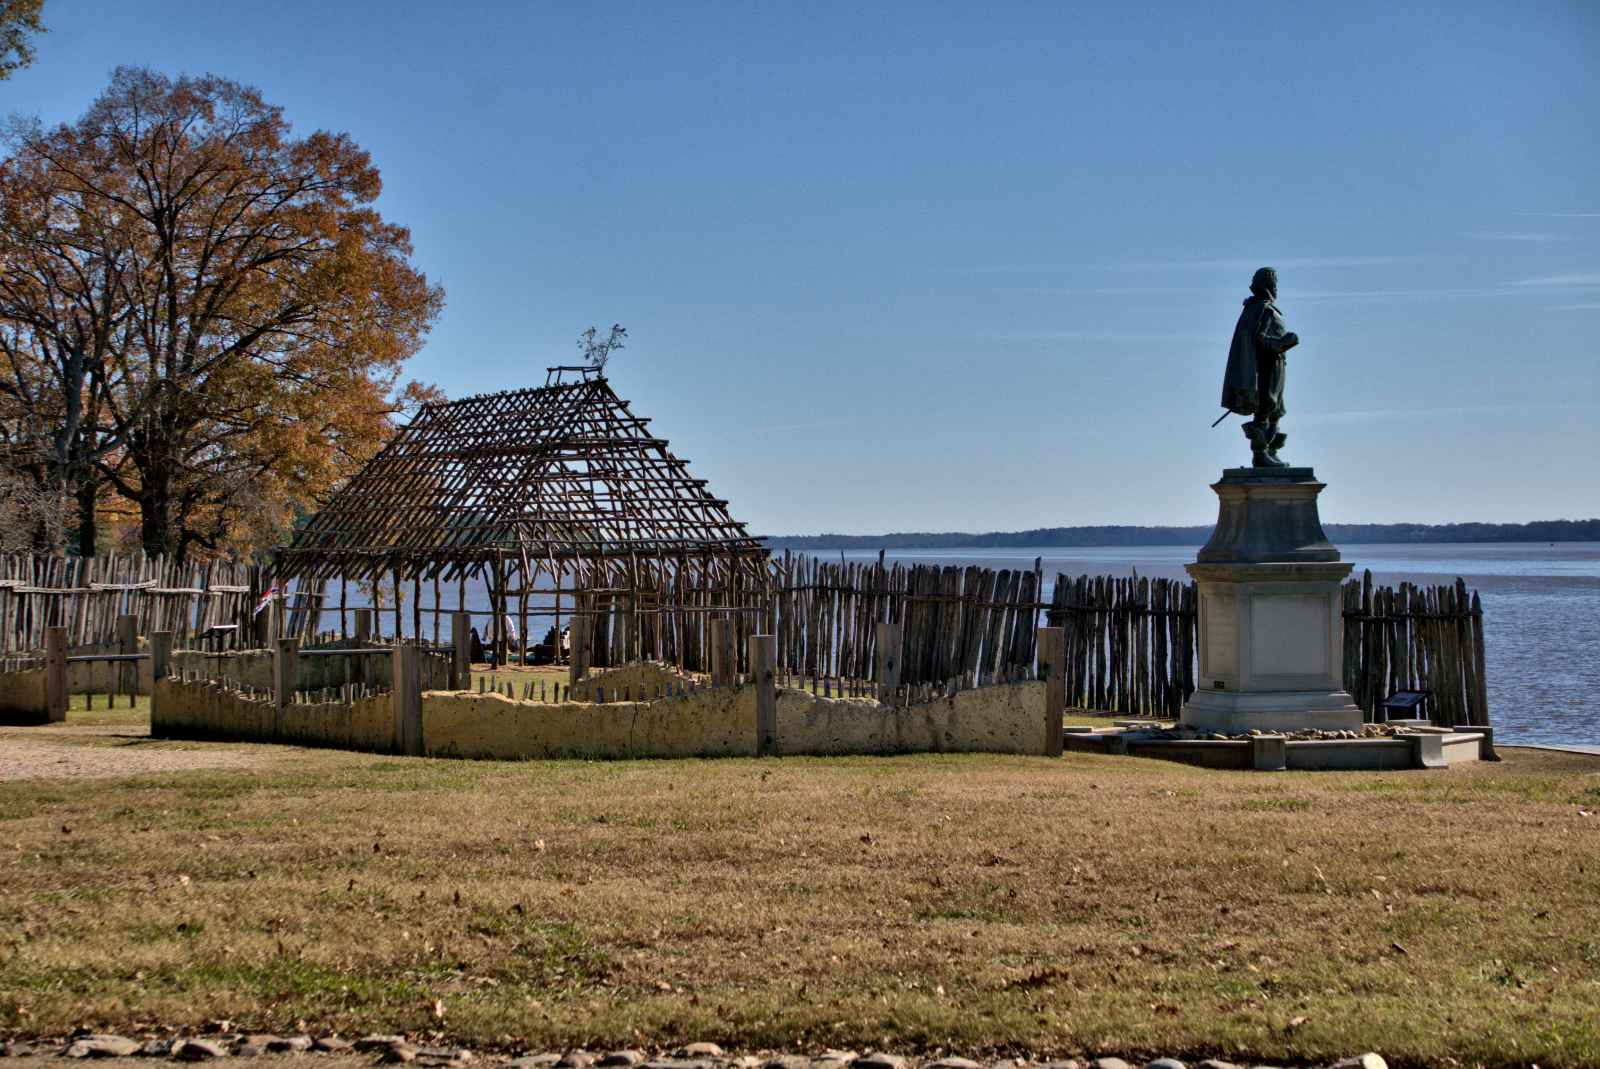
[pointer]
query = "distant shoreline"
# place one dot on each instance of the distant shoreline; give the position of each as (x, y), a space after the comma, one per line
(1086, 537)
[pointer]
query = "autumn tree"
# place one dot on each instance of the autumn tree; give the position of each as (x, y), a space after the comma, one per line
(63, 310)
(259, 309)
(19, 20)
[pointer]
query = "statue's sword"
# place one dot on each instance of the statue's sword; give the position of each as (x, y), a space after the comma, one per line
(1222, 417)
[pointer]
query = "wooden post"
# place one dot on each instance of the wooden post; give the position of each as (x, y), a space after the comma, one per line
(55, 673)
(285, 662)
(722, 660)
(1052, 665)
(461, 647)
(399, 621)
(763, 660)
(363, 628)
(127, 673)
(629, 628)
(160, 657)
(582, 644)
(407, 697)
(888, 661)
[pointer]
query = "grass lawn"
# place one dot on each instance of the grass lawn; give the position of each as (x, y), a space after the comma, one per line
(968, 903)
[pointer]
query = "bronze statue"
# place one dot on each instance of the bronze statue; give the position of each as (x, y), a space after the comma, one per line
(1253, 383)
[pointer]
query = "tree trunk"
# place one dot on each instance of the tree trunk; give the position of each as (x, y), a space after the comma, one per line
(87, 493)
(155, 514)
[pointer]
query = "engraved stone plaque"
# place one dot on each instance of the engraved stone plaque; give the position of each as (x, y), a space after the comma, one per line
(1289, 634)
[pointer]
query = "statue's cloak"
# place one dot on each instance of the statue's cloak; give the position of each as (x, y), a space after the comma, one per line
(1259, 342)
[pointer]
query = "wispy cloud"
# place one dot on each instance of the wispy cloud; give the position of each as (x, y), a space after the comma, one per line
(1563, 215)
(1579, 280)
(1394, 296)
(1176, 264)
(1496, 235)
(1387, 415)
(1291, 262)
(1593, 307)
(1111, 291)
(1094, 335)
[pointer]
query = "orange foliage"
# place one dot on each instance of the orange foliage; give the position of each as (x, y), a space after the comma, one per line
(256, 309)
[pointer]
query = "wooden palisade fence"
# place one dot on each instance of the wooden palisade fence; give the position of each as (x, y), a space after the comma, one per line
(1130, 641)
(970, 624)
(87, 596)
(1416, 638)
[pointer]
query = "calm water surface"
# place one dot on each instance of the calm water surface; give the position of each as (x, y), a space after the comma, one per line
(1541, 606)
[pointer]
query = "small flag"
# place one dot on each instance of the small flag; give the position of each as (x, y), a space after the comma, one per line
(266, 599)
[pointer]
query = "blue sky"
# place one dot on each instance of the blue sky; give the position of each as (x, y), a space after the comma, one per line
(974, 266)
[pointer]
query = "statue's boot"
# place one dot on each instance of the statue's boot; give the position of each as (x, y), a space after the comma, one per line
(1262, 442)
(1272, 451)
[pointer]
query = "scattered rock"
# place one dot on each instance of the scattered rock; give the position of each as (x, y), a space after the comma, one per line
(1362, 1061)
(255, 1045)
(198, 1050)
(102, 1047)
(156, 1048)
(331, 1045)
(13, 1049)
(835, 1057)
(575, 1059)
(878, 1060)
(621, 1058)
(1070, 1063)
(1165, 1063)
(290, 1045)
(698, 1050)
(743, 1061)
(446, 1056)
(786, 1061)
(401, 1053)
(954, 1063)
(1110, 1063)
(678, 1063)
(376, 1042)
(1216, 1063)
(545, 1061)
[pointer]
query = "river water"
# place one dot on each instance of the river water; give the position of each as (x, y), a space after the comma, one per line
(1541, 608)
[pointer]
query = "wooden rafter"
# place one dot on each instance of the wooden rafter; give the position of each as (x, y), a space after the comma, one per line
(564, 473)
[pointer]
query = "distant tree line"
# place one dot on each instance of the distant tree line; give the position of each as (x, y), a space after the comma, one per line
(1055, 537)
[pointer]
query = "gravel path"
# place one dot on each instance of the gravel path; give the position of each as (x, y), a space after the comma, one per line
(74, 751)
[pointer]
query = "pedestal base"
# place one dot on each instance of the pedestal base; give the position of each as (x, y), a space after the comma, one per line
(1234, 713)
(1271, 611)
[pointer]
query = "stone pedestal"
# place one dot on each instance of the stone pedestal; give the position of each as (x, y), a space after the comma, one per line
(1271, 628)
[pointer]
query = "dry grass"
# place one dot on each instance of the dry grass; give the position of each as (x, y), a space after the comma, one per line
(974, 903)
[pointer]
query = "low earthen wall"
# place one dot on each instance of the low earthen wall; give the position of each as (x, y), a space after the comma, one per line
(214, 711)
(705, 723)
(23, 697)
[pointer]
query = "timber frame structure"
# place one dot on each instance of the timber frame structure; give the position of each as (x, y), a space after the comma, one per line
(561, 482)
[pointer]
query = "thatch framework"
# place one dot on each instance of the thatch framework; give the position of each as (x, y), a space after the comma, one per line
(562, 482)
